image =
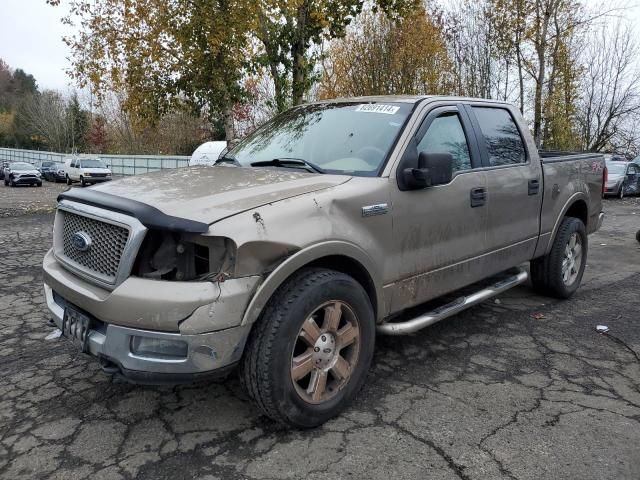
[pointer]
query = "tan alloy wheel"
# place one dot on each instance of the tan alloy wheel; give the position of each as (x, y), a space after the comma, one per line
(326, 352)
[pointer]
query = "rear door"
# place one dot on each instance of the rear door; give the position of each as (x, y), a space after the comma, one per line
(514, 187)
(439, 232)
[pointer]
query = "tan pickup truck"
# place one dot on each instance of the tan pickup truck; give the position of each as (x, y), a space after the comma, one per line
(311, 236)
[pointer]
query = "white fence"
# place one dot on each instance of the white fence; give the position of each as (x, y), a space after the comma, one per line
(119, 164)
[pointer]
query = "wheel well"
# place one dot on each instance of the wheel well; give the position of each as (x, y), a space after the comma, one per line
(579, 210)
(353, 268)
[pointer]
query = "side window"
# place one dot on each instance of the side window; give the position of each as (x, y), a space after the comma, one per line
(445, 135)
(503, 140)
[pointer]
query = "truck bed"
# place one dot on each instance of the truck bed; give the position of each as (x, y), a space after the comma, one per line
(567, 175)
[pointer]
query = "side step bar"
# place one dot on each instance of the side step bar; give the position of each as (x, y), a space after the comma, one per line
(452, 308)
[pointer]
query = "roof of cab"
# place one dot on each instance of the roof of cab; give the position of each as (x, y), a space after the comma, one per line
(406, 99)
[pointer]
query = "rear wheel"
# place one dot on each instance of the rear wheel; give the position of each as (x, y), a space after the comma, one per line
(309, 353)
(560, 272)
(68, 180)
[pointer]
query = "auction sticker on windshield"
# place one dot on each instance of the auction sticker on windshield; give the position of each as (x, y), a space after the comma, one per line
(378, 108)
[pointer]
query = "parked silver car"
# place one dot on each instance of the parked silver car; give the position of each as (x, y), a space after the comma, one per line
(22, 173)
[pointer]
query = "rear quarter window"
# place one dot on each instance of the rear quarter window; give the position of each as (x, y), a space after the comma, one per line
(502, 137)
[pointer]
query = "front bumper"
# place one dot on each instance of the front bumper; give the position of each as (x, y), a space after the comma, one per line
(27, 180)
(208, 354)
(97, 179)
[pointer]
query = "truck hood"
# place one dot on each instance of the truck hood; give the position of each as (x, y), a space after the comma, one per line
(209, 194)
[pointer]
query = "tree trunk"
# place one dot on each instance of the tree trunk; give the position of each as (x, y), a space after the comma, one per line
(541, 49)
(229, 128)
(298, 55)
(520, 80)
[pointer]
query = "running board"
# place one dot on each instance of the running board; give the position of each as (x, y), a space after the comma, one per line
(452, 308)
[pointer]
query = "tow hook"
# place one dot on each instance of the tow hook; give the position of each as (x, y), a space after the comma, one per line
(108, 366)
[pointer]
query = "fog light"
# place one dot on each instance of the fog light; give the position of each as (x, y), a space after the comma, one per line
(159, 348)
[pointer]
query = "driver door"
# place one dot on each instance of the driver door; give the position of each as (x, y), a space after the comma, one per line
(439, 232)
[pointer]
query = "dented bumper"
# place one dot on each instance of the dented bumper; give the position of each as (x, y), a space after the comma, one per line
(130, 327)
(193, 356)
(179, 307)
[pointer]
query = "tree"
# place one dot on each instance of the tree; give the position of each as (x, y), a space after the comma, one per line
(291, 33)
(610, 108)
(469, 36)
(381, 55)
(79, 121)
(96, 137)
(184, 53)
(44, 118)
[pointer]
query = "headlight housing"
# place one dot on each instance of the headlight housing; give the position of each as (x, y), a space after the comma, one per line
(184, 257)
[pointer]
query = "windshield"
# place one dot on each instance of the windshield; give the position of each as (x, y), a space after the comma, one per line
(21, 166)
(616, 168)
(92, 164)
(352, 138)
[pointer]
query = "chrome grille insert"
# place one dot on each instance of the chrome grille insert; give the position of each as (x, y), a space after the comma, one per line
(96, 244)
(108, 242)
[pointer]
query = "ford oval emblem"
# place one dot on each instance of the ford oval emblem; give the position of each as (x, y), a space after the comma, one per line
(81, 241)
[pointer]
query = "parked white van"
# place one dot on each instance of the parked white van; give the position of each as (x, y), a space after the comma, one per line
(87, 171)
(207, 153)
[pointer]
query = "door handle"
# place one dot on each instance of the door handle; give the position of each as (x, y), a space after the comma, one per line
(534, 186)
(478, 196)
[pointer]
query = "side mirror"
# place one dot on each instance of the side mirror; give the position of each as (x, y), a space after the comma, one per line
(433, 169)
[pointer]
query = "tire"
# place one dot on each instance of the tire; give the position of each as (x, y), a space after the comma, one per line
(39, 184)
(12, 183)
(69, 182)
(267, 368)
(547, 273)
(621, 192)
(82, 184)
(638, 235)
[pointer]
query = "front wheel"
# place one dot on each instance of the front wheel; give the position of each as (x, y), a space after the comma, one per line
(69, 182)
(309, 353)
(621, 192)
(559, 273)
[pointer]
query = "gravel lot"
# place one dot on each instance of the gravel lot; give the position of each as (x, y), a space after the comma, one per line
(522, 387)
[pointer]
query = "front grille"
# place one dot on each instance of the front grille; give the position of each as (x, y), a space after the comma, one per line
(27, 175)
(107, 244)
(98, 175)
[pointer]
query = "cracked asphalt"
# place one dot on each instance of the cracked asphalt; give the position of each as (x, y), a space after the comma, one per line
(522, 387)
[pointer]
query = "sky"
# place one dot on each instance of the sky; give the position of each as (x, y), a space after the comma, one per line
(31, 38)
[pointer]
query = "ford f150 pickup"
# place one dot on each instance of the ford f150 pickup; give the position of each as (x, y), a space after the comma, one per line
(312, 235)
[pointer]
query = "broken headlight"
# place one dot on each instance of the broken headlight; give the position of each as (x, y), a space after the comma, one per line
(183, 257)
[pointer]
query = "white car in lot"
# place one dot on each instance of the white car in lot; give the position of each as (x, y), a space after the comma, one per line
(87, 171)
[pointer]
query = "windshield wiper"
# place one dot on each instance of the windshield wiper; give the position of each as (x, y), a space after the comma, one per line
(289, 163)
